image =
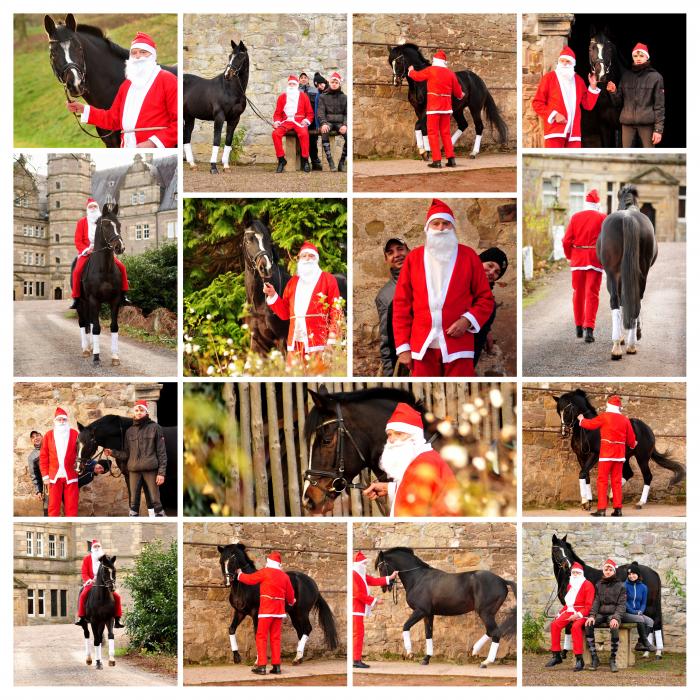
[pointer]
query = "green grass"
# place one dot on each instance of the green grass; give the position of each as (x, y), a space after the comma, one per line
(40, 116)
(145, 337)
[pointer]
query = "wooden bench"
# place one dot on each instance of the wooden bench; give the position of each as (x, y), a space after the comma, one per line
(625, 650)
(292, 150)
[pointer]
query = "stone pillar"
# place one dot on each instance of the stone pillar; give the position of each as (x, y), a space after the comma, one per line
(150, 393)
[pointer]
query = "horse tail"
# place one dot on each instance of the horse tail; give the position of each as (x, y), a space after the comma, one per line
(631, 302)
(327, 620)
(663, 460)
(509, 625)
(493, 114)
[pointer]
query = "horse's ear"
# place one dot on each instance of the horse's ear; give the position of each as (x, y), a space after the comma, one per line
(241, 46)
(113, 559)
(49, 25)
(563, 539)
(554, 539)
(233, 44)
(592, 30)
(320, 398)
(556, 399)
(220, 548)
(81, 427)
(71, 23)
(247, 216)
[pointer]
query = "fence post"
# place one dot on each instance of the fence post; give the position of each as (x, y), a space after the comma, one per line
(292, 475)
(246, 432)
(262, 498)
(232, 496)
(273, 433)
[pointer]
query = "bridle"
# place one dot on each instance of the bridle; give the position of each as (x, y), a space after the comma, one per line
(114, 470)
(253, 261)
(79, 68)
(392, 586)
(599, 60)
(568, 415)
(231, 69)
(109, 244)
(404, 70)
(110, 581)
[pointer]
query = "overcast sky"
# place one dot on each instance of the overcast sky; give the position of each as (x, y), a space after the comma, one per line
(103, 158)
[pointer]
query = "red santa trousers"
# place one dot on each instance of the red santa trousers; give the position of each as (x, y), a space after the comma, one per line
(613, 471)
(78, 272)
(302, 133)
(432, 366)
(561, 143)
(358, 636)
(271, 626)
(64, 492)
(586, 286)
(439, 128)
(559, 623)
(83, 597)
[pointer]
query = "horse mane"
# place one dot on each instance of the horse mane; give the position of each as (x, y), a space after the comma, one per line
(98, 33)
(627, 196)
(582, 394)
(408, 550)
(414, 47)
(239, 547)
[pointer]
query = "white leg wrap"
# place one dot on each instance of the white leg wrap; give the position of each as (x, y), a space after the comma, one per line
(234, 642)
(568, 643)
(188, 153)
(115, 344)
(83, 339)
(87, 647)
(110, 644)
(477, 145)
(658, 636)
(224, 158)
(616, 324)
(151, 513)
(407, 642)
(426, 144)
(589, 493)
(582, 489)
(98, 652)
(419, 140)
(214, 154)
(480, 643)
(302, 644)
(492, 653)
(456, 135)
(428, 647)
(95, 344)
(632, 335)
(645, 493)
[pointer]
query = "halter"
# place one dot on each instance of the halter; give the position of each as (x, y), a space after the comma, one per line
(404, 68)
(230, 66)
(600, 58)
(110, 582)
(568, 427)
(253, 261)
(114, 470)
(81, 69)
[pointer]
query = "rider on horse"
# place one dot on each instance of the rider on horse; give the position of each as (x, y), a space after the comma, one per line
(88, 572)
(85, 244)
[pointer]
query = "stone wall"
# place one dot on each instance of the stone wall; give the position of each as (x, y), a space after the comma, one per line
(34, 406)
(384, 121)
(316, 549)
(660, 546)
(550, 468)
(451, 547)
(277, 46)
(479, 225)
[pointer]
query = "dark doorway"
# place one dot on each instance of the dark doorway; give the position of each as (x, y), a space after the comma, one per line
(58, 294)
(665, 35)
(167, 404)
(648, 210)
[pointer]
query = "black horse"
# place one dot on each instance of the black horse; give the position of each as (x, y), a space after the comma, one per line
(245, 600)
(563, 558)
(220, 99)
(627, 248)
(109, 432)
(476, 98)
(88, 65)
(99, 611)
(101, 283)
(586, 446)
(431, 592)
(603, 120)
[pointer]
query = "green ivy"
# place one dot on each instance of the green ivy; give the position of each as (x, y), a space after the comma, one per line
(533, 632)
(153, 278)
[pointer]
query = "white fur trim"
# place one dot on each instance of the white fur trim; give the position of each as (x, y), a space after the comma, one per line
(440, 62)
(589, 267)
(145, 47)
(475, 324)
(591, 206)
(440, 215)
(157, 142)
(272, 300)
(611, 408)
(404, 428)
(403, 348)
(440, 111)
(270, 615)
(550, 118)
(272, 564)
(85, 115)
(595, 91)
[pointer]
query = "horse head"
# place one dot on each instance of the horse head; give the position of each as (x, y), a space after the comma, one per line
(237, 60)
(569, 406)
(562, 557)
(87, 444)
(67, 55)
(627, 197)
(107, 575)
(110, 228)
(231, 558)
(258, 249)
(385, 567)
(399, 65)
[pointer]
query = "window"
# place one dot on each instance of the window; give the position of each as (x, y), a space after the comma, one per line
(171, 229)
(146, 231)
(577, 195)
(57, 260)
(25, 257)
(41, 610)
(681, 202)
(40, 232)
(58, 184)
(39, 544)
(58, 204)
(40, 289)
(610, 198)
(549, 193)
(139, 233)
(64, 604)
(30, 541)
(142, 197)
(28, 289)
(30, 603)
(134, 198)
(54, 602)
(57, 238)
(52, 545)
(62, 548)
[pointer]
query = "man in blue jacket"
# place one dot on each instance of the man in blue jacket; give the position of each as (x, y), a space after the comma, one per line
(636, 605)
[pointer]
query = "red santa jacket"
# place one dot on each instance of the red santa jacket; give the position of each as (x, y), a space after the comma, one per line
(362, 601)
(468, 294)
(584, 598)
(548, 100)
(322, 315)
(580, 239)
(425, 488)
(304, 110)
(48, 458)
(82, 237)
(275, 590)
(442, 86)
(616, 433)
(159, 109)
(87, 573)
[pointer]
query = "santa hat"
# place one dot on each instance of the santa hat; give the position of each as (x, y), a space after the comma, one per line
(439, 210)
(95, 543)
(643, 48)
(360, 557)
(143, 41)
(610, 562)
(577, 567)
(440, 55)
(593, 196)
(336, 76)
(142, 403)
(405, 419)
(293, 79)
(274, 560)
(566, 52)
(59, 412)
(308, 245)
(90, 201)
(614, 404)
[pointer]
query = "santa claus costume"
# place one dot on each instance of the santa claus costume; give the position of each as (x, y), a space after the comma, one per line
(586, 270)
(562, 92)
(84, 244)
(293, 112)
(276, 592)
(88, 572)
(442, 86)
(57, 459)
(616, 435)
(312, 303)
(145, 107)
(422, 482)
(577, 604)
(362, 604)
(440, 283)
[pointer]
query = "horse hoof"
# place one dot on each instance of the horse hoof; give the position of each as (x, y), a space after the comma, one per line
(425, 661)
(115, 362)
(586, 505)
(227, 167)
(409, 656)
(88, 661)
(87, 353)
(615, 357)
(213, 170)
(424, 155)
(484, 664)
(112, 662)
(631, 351)
(98, 666)
(193, 166)
(95, 359)
(297, 662)
(472, 156)
(236, 657)
(638, 506)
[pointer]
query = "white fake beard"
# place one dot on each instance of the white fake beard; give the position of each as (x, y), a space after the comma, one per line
(361, 568)
(290, 106)
(61, 430)
(93, 215)
(139, 70)
(397, 456)
(441, 245)
(565, 72)
(308, 270)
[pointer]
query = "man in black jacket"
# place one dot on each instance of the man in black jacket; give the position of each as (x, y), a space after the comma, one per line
(495, 263)
(333, 115)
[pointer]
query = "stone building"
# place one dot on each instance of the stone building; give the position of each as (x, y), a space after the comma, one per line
(481, 224)
(383, 120)
(47, 208)
(316, 549)
(550, 468)
(277, 46)
(451, 547)
(34, 406)
(48, 558)
(661, 546)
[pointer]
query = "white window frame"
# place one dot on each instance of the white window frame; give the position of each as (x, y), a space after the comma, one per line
(30, 543)
(61, 547)
(142, 197)
(138, 235)
(39, 544)
(172, 230)
(577, 197)
(146, 232)
(52, 545)
(41, 602)
(31, 598)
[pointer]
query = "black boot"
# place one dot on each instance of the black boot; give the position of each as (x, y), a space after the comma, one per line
(612, 664)
(614, 642)
(329, 156)
(316, 165)
(595, 661)
(451, 163)
(435, 164)
(281, 162)
(617, 513)
(276, 669)
(74, 305)
(359, 664)
(555, 660)
(588, 335)
(260, 670)
(82, 622)
(341, 164)
(579, 663)
(644, 642)
(599, 514)
(579, 331)
(305, 165)
(118, 623)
